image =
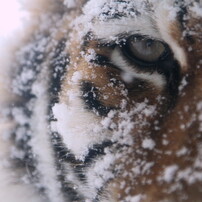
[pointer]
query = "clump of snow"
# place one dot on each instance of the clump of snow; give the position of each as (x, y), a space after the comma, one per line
(183, 84)
(70, 3)
(28, 65)
(136, 198)
(19, 115)
(78, 133)
(89, 55)
(122, 130)
(76, 77)
(101, 171)
(142, 167)
(169, 173)
(183, 151)
(197, 9)
(190, 174)
(148, 144)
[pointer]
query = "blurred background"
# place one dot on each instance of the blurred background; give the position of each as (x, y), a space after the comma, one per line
(11, 14)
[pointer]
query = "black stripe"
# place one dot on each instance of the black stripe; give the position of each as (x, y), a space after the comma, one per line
(33, 56)
(58, 68)
(86, 39)
(113, 12)
(61, 153)
(182, 17)
(90, 96)
(96, 151)
(64, 155)
(29, 59)
(100, 60)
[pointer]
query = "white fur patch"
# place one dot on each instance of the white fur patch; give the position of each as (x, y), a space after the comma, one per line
(79, 129)
(135, 18)
(41, 142)
(164, 22)
(11, 190)
(131, 73)
(140, 25)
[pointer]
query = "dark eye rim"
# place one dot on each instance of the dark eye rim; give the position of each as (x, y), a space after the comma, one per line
(124, 46)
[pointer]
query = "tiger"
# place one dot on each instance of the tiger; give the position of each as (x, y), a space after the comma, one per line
(101, 101)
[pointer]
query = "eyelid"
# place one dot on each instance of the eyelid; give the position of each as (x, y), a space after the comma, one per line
(120, 39)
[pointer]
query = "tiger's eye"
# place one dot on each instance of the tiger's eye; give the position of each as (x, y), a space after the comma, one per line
(147, 50)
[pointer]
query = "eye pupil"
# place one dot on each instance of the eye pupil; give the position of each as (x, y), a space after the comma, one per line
(149, 43)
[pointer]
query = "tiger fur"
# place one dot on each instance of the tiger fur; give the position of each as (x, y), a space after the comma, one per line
(92, 115)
